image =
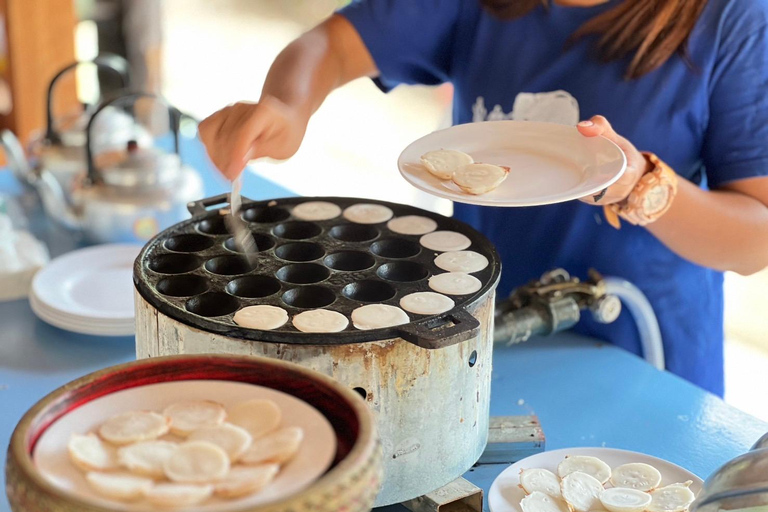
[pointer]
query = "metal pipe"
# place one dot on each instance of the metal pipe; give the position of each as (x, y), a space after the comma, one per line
(517, 325)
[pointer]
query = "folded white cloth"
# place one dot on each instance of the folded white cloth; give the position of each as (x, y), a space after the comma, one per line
(21, 256)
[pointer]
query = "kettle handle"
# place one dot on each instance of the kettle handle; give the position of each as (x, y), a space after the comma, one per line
(174, 115)
(106, 61)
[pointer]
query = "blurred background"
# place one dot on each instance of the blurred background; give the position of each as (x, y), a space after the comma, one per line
(202, 55)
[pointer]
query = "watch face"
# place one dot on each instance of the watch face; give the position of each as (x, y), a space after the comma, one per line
(656, 199)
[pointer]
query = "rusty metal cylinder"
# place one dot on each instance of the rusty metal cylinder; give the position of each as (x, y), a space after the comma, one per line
(432, 405)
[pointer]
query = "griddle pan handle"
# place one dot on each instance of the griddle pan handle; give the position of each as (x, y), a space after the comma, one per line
(443, 331)
(200, 207)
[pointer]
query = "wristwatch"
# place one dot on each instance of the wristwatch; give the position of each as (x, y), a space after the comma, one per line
(650, 199)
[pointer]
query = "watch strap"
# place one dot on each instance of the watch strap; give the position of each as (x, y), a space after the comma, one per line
(650, 199)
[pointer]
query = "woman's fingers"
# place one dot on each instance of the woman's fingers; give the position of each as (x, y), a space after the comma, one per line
(209, 130)
(228, 136)
(245, 131)
(636, 164)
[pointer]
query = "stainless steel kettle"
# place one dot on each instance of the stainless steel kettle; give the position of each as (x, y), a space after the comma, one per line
(741, 483)
(61, 148)
(125, 196)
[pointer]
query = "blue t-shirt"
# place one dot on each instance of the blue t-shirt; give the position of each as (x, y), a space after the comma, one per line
(709, 123)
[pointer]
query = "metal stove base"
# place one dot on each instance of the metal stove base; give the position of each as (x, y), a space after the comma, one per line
(510, 439)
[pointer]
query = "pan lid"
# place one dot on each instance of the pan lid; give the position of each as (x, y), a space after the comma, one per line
(143, 167)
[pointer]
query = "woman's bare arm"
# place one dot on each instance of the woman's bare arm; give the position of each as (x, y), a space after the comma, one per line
(302, 76)
(725, 229)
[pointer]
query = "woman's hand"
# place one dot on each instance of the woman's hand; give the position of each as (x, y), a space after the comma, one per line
(637, 165)
(245, 131)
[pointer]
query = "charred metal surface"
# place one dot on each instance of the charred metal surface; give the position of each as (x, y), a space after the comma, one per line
(192, 272)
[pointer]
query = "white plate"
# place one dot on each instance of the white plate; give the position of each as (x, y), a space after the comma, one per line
(549, 163)
(505, 495)
(81, 326)
(93, 284)
(314, 457)
(41, 308)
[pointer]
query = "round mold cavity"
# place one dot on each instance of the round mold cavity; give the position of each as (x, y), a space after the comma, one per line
(354, 232)
(213, 226)
(266, 215)
(188, 243)
(472, 359)
(349, 261)
(309, 297)
(174, 263)
(362, 392)
(303, 273)
(395, 248)
(369, 291)
(300, 251)
(263, 242)
(182, 286)
(402, 271)
(253, 287)
(297, 230)
(227, 265)
(212, 304)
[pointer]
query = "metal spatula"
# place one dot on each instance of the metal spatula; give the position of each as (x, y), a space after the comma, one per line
(237, 226)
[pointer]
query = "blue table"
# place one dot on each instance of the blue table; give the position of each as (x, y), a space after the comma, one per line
(585, 393)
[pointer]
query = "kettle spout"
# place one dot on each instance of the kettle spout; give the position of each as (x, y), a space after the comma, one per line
(55, 202)
(17, 160)
(51, 194)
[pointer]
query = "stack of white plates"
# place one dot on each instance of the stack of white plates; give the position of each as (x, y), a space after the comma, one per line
(89, 291)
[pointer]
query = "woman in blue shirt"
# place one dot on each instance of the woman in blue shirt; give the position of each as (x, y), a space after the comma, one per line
(686, 80)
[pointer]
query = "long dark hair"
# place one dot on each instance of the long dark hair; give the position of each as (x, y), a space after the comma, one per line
(649, 30)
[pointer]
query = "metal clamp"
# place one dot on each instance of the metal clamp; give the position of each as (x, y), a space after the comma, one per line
(551, 304)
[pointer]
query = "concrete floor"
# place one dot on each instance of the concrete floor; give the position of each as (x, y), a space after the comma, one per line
(219, 52)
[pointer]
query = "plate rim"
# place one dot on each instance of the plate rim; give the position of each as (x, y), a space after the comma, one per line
(477, 200)
(493, 489)
(67, 259)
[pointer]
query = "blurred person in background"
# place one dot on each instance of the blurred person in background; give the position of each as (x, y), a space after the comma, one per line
(679, 85)
(131, 29)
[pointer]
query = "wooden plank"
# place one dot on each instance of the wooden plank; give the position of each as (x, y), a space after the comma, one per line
(40, 42)
(512, 438)
(458, 496)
